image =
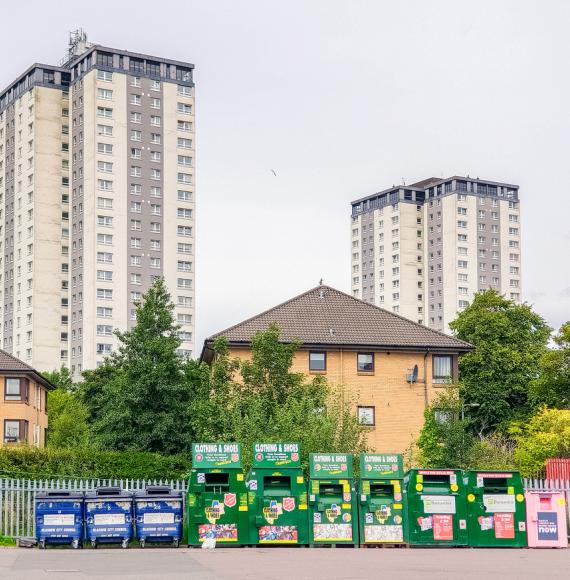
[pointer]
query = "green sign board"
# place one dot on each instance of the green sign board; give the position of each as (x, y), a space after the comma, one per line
(277, 455)
(385, 465)
(208, 455)
(330, 465)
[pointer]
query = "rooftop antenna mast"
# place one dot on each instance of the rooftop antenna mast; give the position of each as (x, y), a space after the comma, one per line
(76, 46)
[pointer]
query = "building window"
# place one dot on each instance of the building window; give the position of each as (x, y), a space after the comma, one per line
(317, 361)
(15, 389)
(442, 369)
(367, 416)
(15, 431)
(365, 362)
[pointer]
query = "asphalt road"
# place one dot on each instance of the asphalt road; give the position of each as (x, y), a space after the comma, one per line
(284, 563)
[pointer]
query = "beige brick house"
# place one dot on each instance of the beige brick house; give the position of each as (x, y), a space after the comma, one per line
(393, 366)
(23, 410)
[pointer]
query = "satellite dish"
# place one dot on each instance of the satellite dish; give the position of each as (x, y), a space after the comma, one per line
(413, 376)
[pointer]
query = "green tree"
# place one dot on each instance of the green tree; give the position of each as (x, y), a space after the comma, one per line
(67, 416)
(140, 398)
(67, 413)
(552, 387)
(509, 341)
(546, 434)
(61, 379)
(445, 440)
(262, 400)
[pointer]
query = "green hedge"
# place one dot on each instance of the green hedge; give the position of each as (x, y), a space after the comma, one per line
(33, 463)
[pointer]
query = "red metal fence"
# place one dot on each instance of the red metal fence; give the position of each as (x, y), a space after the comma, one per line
(558, 469)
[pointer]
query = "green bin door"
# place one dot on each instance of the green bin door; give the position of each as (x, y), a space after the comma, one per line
(332, 512)
(382, 512)
(496, 512)
(436, 507)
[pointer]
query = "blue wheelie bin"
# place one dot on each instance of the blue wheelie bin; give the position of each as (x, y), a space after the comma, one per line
(59, 517)
(158, 515)
(109, 516)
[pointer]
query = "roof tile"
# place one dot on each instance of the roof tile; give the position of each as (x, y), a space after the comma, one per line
(326, 316)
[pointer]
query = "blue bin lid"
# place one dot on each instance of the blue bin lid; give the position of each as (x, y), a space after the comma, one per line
(158, 492)
(109, 492)
(60, 494)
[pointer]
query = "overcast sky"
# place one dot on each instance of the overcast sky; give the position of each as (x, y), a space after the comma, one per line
(342, 99)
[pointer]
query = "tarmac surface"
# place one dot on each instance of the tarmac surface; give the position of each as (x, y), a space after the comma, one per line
(283, 563)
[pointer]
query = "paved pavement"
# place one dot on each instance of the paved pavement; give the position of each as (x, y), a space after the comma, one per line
(284, 563)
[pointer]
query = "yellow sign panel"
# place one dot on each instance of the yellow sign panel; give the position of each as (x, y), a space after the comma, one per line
(299, 479)
(240, 476)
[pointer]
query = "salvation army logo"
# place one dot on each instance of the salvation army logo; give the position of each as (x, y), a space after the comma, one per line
(368, 467)
(343, 467)
(259, 456)
(235, 457)
(199, 457)
(295, 456)
(230, 499)
(288, 504)
(318, 467)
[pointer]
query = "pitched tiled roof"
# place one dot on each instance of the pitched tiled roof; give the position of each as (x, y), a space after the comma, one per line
(9, 363)
(327, 316)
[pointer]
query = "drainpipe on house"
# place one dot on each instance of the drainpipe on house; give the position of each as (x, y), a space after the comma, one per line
(426, 399)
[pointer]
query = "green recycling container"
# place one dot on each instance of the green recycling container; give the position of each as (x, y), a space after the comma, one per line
(382, 502)
(496, 511)
(217, 495)
(333, 514)
(437, 507)
(277, 495)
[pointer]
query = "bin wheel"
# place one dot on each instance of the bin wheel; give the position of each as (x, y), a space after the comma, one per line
(176, 542)
(142, 542)
(125, 544)
(75, 544)
(94, 544)
(42, 544)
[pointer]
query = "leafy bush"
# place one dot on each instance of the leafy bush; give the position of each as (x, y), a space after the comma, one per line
(546, 434)
(33, 463)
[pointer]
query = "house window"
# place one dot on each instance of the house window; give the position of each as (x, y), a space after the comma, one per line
(15, 389)
(317, 361)
(442, 369)
(365, 362)
(367, 416)
(15, 431)
(443, 417)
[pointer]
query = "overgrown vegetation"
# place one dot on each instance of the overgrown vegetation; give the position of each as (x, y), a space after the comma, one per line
(267, 402)
(33, 463)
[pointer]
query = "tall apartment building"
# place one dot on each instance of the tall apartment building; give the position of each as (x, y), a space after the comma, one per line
(425, 249)
(96, 200)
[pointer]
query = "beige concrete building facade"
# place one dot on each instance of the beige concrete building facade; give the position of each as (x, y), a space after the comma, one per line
(97, 178)
(424, 250)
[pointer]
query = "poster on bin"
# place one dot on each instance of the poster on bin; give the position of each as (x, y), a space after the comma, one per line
(439, 504)
(443, 527)
(330, 465)
(208, 455)
(280, 455)
(547, 526)
(377, 465)
(499, 503)
(504, 526)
